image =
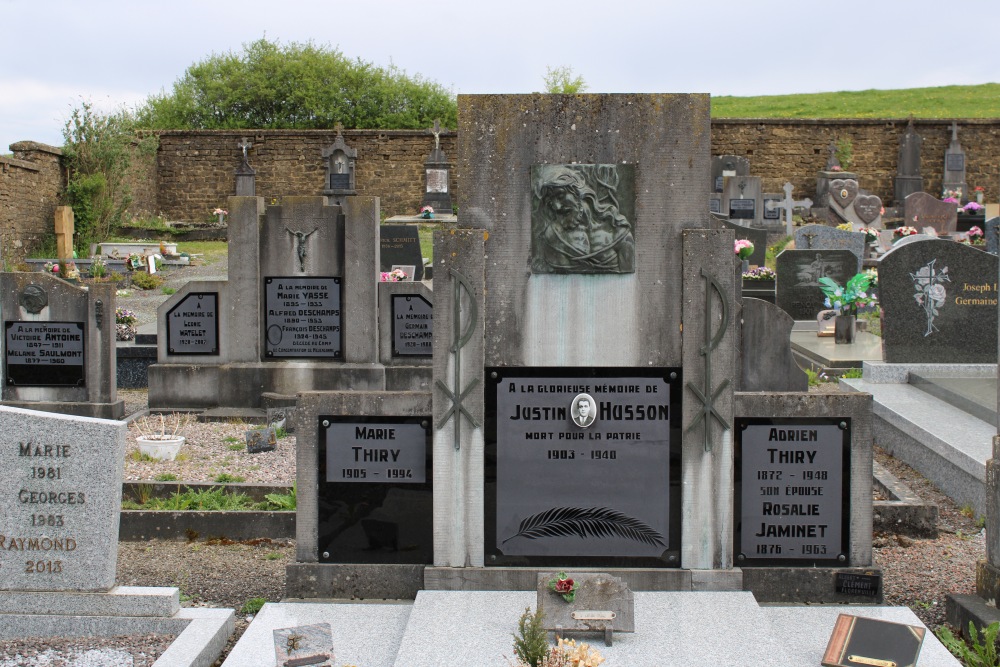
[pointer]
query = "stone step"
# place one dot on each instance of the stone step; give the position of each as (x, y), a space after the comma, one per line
(475, 628)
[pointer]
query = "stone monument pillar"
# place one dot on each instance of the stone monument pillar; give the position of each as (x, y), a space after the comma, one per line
(436, 175)
(64, 227)
(908, 178)
(954, 169)
(340, 161)
(245, 174)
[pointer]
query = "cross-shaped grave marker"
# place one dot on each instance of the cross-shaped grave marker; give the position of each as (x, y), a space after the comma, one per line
(789, 204)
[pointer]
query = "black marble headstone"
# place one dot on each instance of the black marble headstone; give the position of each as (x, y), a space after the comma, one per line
(939, 303)
(990, 230)
(401, 247)
(797, 291)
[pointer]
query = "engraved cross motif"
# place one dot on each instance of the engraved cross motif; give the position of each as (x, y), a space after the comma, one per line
(708, 396)
(459, 340)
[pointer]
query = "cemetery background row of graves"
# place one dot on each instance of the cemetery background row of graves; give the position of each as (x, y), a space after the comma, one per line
(553, 414)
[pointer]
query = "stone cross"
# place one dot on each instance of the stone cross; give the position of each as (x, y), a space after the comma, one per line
(789, 204)
(339, 128)
(245, 145)
(437, 134)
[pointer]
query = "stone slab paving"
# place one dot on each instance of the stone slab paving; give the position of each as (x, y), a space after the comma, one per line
(448, 628)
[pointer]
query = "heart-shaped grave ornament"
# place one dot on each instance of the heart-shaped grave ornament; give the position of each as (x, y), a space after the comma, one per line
(843, 191)
(868, 208)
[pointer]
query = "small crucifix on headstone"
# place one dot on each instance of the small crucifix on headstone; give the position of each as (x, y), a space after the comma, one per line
(300, 245)
(790, 204)
(437, 134)
(245, 145)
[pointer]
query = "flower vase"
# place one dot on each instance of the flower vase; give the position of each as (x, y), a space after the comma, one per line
(746, 265)
(979, 198)
(844, 329)
(427, 216)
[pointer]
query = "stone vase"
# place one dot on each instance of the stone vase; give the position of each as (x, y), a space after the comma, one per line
(979, 198)
(845, 327)
(160, 447)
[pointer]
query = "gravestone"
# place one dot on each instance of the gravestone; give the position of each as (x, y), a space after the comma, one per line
(789, 204)
(245, 174)
(58, 346)
(715, 203)
(406, 333)
(400, 246)
(727, 165)
(954, 169)
(437, 174)
(594, 592)
(990, 231)
(921, 210)
(824, 237)
(758, 237)
(939, 303)
(771, 213)
(868, 210)
(742, 200)
(829, 182)
(340, 160)
(908, 179)
(62, 479)
(799, 271)
(767, 360)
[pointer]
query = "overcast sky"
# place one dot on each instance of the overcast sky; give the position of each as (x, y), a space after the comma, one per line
(114, 52)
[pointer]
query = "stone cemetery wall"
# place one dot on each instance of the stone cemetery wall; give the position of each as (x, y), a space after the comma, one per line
(196, 168)
(30, 184)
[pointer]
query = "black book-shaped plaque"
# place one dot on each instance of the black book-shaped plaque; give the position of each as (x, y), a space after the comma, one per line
(861, 642)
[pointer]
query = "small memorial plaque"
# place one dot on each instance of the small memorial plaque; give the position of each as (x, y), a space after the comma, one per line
(851, 583)
(193, 325)
(340, 181)
(302, 317)
(304, 645)
(412, 326)
(794, 478)
(772, 208)
(742, 208)
(45, 354)
(261, 440)
(955, 162)
(715, 205)
(376, 452)
(583, 463)
(718, 183)
(437, 180)
(857, 640)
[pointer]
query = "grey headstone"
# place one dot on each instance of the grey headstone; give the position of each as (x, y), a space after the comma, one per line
(768, 364)
(954, 167)
(758, 237)
(715, 203)
(400, 245)
(909, 152)
(921, 210)
(742, 200)
(799, 271)
(823, 237)
(63, 477)
(340, 162)
(824, 184)
(939, 303)
(727, 165)
(245, 174)
(990, 230)
(595, 592)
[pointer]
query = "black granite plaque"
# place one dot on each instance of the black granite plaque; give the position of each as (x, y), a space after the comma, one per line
(375, 494)
(742, 208)
(400, 246)
(792, 491)
(851, 583)
(955, 162)
(45, 354)
(340, 181)
(412, 326)
(193, 325)
(302, 317)
(718, 183)
(799, 271)
(715, 205)
(586, 466)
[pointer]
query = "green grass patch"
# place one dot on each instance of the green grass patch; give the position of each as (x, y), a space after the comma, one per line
(211, 251)
(226, 478)
(166, 477)
(426, 233)
(252, 606)
(213, 500)
(981, 101)
(236, 447)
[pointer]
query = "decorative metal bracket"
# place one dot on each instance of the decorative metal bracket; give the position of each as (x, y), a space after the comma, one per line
(459, 340)
(708, 397)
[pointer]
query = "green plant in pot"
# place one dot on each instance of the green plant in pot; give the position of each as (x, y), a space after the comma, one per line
(846, 300)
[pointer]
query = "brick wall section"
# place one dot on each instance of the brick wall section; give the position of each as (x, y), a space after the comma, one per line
(794, 150)
(196, 168)
(30, 184)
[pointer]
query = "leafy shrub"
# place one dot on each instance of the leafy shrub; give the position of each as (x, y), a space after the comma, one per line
(281, 501)
(852, 374)
(973, 654)
(166, 477)
(226, 478)
(531, 643)
(252, 606)
(146, 281)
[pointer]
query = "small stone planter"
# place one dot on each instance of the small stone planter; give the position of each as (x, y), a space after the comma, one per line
(163, 448)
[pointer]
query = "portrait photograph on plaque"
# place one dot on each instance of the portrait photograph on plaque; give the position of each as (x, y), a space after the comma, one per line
(792, 492)
(583, 467)
(44, 354)
(375, 494)
(302, 317)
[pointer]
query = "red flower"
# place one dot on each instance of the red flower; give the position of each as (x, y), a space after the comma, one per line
(564, 586)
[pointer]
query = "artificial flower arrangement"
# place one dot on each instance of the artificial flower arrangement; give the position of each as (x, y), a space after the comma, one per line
(394, 276)
(220, 211)
(955, 195)
(564, 586)
(846, 227)
(871, 235)
(124, 324)
(971, 208)
(845, 300)
(427, 212)
(903, 232)
(872, 277)
(975, 236)
(760, 273)
(51, 268)
(743, 248)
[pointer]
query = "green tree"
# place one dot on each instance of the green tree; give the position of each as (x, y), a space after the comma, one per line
(561, 80)
(297, 86)
(100, 150)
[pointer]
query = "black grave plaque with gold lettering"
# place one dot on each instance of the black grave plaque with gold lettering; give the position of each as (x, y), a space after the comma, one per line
(45, 354)
(193, 325)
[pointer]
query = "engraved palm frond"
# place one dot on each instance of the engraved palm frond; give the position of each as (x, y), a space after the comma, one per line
(583, 522)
